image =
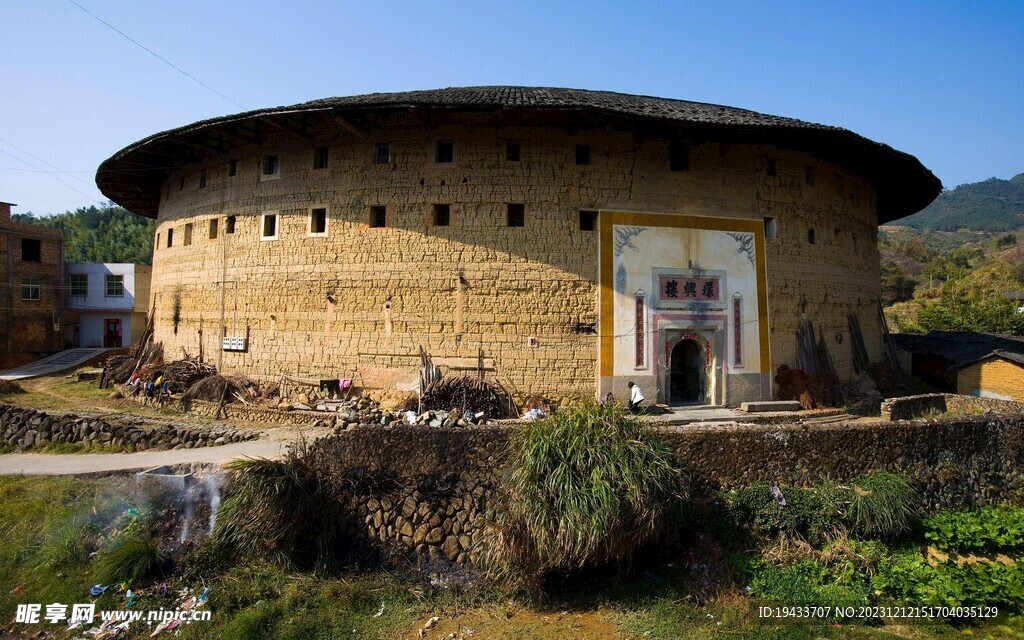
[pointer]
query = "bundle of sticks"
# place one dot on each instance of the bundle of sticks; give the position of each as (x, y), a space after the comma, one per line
(465, 394)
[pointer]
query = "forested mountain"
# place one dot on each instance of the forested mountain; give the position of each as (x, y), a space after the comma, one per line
(991, 205)
(100, 234)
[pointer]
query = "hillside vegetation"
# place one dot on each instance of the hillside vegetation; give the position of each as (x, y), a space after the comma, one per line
(991, 205)
(108, 233)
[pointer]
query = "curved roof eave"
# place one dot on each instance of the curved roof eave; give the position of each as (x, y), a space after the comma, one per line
(133, 178)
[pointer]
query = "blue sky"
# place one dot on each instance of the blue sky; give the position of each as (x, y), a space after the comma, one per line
(940, 80)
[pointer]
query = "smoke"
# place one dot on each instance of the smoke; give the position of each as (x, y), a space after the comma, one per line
(213, 485)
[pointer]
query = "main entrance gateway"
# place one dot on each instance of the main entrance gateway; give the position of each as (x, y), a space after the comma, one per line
(682, 308)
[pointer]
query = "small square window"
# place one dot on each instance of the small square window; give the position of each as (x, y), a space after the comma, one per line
(318, 221)
(79, 285)
(229, 224)
(188, 234)
(769, 167)
(809, 175)
(771, 228)
(678, 157)
(378, 216)
(170, 237)
(512, 151)
(516, 215)
(382, 153)
(270, 165)
(30, 288)
(31, 250)
(442, 215)
(583, 154)
(810, 236)
(269, 226)
(588, 220)
(213, 228)
(445, 151)
(233, 168)
(320, 158)
(114, 286)
(202, 179)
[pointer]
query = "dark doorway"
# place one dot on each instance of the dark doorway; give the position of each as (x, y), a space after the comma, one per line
(112, 333)
(686, 373)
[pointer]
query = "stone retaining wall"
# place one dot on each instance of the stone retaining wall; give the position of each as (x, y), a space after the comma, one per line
(26, 428)
(431, 490)
(935, 404)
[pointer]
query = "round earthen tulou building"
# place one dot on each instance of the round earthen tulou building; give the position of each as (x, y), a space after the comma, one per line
(565, 241)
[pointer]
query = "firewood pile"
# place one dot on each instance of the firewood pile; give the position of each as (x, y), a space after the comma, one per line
(217, 388)
(466, 394)
(181, 375)
(120, 369)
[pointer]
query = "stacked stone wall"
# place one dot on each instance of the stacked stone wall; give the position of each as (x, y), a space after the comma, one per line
(432, 491)
(23, 428)
(360, 301)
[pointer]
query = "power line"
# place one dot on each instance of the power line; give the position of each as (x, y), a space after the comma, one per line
(52, 166)
(90, 198)
(156, 55)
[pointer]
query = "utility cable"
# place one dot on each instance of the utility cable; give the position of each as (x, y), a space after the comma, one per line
(156, 55)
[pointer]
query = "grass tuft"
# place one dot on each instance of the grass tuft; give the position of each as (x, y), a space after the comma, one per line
(281, 511)
(588, 486)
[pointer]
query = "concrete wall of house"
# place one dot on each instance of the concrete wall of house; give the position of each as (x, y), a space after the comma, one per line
(992, 378)
(362, 298)
(92, 310)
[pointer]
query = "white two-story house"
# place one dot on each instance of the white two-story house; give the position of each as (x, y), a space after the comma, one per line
(106, 304)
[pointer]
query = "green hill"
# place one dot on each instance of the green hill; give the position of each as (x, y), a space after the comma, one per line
(991, 205)
(100, 234)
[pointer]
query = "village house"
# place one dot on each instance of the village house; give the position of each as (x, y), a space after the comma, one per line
(975, 364)
(106, 303)
(32, 265)
(566, 242)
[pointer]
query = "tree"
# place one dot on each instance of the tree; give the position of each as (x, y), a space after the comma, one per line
(108, 233)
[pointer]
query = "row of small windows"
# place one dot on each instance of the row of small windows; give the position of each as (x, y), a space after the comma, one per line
(444, 153)
(441, 216)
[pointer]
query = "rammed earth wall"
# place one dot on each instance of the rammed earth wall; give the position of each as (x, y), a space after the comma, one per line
(358, 301)
(431, 491)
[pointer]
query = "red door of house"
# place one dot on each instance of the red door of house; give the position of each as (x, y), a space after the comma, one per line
(112, 332)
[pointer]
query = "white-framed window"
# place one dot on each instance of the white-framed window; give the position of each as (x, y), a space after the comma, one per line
(79, 285)
(114, 286)
(269, 226)
(318, 222)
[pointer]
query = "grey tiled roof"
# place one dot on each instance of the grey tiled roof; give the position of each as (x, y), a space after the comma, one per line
(962, 348)
(133, 175)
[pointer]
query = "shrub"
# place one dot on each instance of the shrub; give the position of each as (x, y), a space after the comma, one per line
(130, 556)
(985, 529)
(809, 513)
(281, 511)
(588, 486)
